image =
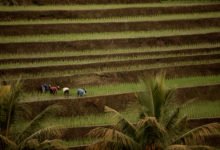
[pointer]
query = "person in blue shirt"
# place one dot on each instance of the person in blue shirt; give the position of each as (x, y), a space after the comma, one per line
(81, 92)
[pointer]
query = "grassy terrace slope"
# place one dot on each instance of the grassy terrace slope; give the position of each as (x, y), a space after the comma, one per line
(141, 10)
(98, 44)
(132, 25)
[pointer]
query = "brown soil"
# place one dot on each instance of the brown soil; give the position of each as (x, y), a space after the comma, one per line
(118, 77)
(107, 56)
(108, 43)
(102, 65)
(90, 105)
(65, 2)
(106, 27)
(58, 14)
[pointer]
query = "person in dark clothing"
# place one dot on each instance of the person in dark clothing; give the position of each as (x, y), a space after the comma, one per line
(45, 88)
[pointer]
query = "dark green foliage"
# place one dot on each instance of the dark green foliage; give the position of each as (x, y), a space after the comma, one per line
(159, 126)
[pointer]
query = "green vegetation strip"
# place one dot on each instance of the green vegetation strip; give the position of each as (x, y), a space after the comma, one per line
(99, 60)
(128, 87)
(100, 6)
(164, 17)
(105, 35)
(63, 53)
(206, 109)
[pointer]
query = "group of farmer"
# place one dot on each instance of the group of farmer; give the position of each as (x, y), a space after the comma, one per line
(66, 91)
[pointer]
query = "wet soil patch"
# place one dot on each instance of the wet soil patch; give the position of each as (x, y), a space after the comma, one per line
(106, 27)
(62, 14)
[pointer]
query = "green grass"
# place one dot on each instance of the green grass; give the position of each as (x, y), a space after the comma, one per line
(106, 35)
(128, 87)
(63, 53)
(163, 17)
(98, 6)
(202, 109)
(99, 60)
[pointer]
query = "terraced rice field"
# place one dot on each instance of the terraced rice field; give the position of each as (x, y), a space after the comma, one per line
(105, 46)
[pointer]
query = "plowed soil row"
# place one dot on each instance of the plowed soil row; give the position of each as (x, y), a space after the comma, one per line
(108, 56)
(34, 47)
(90, 105)
(61, 14)
(102, 65)
(63, 2)
(119, 77)
(106, 27)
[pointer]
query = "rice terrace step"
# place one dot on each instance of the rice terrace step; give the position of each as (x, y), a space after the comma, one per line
(106, 46)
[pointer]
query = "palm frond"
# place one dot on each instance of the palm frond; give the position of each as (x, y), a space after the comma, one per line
(145, 99)
(123, 124)
(178, 147)
(8, 105)
(52, 144)
(188, 147)
(113, 136)
(197, 135)
(45, 133)
(151, 132)
(7, 142)
(169, 118)
(34, 125)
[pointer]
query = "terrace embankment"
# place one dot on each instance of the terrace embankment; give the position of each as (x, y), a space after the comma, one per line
(66, 2)
(123, 76)
(107, 27)
(102, 65)
(43, 47)
(89, 105)
(188, 51)
(61, 14)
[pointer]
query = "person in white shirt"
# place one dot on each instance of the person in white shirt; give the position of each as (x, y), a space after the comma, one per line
(66, 91)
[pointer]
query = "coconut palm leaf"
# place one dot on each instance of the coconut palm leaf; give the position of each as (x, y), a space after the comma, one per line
(7, 142)
(197, 135)
(52, 144)
(122, 124)
(8, 105)
(188, 147)
(45, 133)
(151, 132)
(115, 137)
(34, 125)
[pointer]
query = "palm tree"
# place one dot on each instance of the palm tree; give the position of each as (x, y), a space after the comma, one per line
(31, 136)
(159, 127)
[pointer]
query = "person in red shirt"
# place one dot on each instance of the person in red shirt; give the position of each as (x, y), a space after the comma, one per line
(54, 89)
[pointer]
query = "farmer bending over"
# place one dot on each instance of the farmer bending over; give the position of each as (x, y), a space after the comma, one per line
(81, 92)
(54, 89)
(45, 88)
(66, 91)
